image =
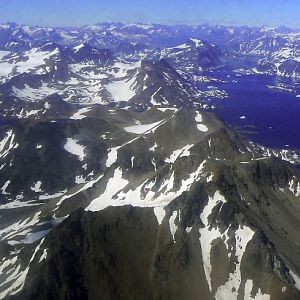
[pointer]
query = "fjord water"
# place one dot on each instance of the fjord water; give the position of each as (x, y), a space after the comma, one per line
(268, 116)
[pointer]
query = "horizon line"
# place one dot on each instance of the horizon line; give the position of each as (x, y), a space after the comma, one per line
(170, 23)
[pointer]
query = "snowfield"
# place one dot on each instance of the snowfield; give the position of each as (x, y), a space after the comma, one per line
(141, 128)
(74, 148)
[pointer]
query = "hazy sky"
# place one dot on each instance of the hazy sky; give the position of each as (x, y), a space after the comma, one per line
(80, 12)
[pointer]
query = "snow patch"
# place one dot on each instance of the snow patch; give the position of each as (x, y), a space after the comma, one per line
(35, 236)
(122, 90)
(207, 235)
(154, 147)
(80, 114)
(44, 255)
(79, 179)
(114, 185)
(173, 227)
(5, 186)
(199, 120)
(141, 128)
(230, 289)
(37, 187)
(202, 127)
(112, 156)
(258, 296)
(18, 277)
(159, 213)
(74, 148)
(179, 153)
(7, 144)
(296, 279)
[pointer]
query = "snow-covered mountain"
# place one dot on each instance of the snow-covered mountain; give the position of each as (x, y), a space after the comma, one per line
(192, 56)
(84, 75)
(116, 182)
(278, 46)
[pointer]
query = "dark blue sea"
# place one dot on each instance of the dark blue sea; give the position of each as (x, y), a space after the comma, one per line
(270, 117)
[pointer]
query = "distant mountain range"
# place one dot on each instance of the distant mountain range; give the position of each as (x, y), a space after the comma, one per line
(272, 50)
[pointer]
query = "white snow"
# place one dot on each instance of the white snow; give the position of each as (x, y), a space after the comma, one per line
(159, 213)
(248, 290)
(154, 147)
(163, 109)
(202, 127)
(121, 68)
(242, 236)
(33, 94)
(47, 105)
(208, 235)
(17, 204)
(188, 229)
(29, 61)
(6, 263)
(197, 42)
(114, 185)
(141, 128)
(52, 196)
(198, 117)
(37, 187)
(7, 144)
(173, 227)
(3, 189)
(182, 46)
(296, 279)
(122, 90)
(35, 59)
(44, 255)
(18, 277)
(154, 164)
(3, 54)
(79, 179)
(31, 113)
(34, 236)
(199, 120)
(294, 187)
(179, 153)
(112, 156)
(74, 148)
(119, 191)
(152, 99)
(78, 47)
(80, 114)
(20, 227)
(142, 26)
(85, 187)
(230, 289)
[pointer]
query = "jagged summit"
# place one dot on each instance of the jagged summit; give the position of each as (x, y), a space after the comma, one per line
(85, 52)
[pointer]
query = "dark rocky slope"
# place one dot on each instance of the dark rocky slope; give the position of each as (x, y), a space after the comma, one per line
(218, 219)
